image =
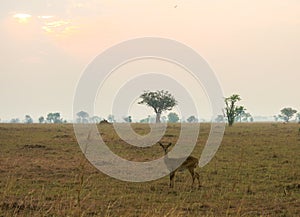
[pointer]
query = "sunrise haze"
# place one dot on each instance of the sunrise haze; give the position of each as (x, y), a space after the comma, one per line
(252, 46)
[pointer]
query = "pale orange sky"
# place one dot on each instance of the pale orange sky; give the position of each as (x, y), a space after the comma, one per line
(253, 47)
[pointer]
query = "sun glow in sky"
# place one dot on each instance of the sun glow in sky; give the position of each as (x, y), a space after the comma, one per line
(58, 27)
(53, 25)
(253, 47)
(22, 18)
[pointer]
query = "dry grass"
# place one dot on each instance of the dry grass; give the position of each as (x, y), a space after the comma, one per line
(44, 173)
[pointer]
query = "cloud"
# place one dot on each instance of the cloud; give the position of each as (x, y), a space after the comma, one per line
(61, 8)
(58, 27)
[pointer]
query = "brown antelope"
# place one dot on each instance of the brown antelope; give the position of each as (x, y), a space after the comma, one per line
(191, 163)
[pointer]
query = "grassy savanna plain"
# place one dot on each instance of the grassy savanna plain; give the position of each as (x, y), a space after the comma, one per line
(256, 172)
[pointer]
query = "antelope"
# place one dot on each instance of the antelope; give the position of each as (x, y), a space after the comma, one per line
(191, 163)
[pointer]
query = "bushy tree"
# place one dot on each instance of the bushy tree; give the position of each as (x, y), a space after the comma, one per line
(232, 111)
(173, 117)
(41, 119)
(286, 114)
(54, 118)
(192, 119)
(158, 100)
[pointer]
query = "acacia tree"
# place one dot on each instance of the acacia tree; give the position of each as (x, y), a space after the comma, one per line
(83, 117)
(192, 119)
(158, 100)
(232, 111)
(28, 119)
(287, 114)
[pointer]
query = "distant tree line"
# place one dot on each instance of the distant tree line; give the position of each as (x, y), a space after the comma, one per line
(83, 117)
(162, 101)
(53, 118)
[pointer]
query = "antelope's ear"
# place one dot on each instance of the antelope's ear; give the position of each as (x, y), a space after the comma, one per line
(160, 144)
(169, 144)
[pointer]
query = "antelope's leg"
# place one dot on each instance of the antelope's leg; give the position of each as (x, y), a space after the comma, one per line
(198, 178)
(172, 175)
(192, 172)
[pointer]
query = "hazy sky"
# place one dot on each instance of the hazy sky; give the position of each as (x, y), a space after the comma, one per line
(253, 47)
